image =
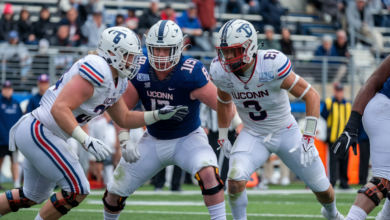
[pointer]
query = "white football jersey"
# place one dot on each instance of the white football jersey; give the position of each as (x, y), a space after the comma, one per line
(107, 92)
(261, 104)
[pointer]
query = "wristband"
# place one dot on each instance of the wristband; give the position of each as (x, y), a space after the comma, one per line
(123, 136)
(79, 134)
(223, 133)
(236, 120)
(310, 126)
(151, 117)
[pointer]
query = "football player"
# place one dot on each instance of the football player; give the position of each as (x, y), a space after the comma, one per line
(167, 78)
(92, 85)
(257, 82)
(372, 106)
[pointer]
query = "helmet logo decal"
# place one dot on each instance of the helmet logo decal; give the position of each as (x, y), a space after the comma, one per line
(118, 36)
(160, 35)
(246, 28)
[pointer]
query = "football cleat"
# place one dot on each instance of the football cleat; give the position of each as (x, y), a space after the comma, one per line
(339, 216)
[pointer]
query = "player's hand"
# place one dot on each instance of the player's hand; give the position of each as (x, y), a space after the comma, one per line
(348, 137)
(173, 112)
(239, 128)
(226, 147)
(341, 146)
(97, 148)
(308, 150)
(130, 151)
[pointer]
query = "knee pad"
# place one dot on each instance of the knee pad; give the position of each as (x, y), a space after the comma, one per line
(69, 199)
(120, 203)
(214, 190)
(17, 204)
(380, 187)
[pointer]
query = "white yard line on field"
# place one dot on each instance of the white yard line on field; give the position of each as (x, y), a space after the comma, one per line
(249, 192)
(196, 213)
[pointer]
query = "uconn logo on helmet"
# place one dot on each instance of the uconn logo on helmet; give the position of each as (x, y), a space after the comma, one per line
(118, 36)
(246, 28)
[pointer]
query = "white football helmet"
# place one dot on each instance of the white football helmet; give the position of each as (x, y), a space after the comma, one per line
(240, 37)
(164, 33)
(116, 45)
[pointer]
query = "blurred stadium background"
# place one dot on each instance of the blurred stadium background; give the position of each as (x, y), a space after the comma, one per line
(321, 38)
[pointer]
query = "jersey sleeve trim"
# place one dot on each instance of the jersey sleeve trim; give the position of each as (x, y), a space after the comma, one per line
(285, 69)
(92, 73)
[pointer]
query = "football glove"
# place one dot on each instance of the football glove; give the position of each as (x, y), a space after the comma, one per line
(348, 137)
(173, 112)
(130, 151)
(308, 150)
(226, 147)
(97, 148)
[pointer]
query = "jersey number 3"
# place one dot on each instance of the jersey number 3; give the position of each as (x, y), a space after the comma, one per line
(255, 116)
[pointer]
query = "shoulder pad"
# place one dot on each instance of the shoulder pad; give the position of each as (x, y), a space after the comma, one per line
(274, 65)
(93, 71)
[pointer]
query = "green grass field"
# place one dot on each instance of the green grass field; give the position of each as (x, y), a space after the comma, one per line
(278, 202)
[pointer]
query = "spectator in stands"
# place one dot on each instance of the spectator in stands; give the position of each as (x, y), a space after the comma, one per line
(25, 28)
(17, 57)
(206, 14)
(361, 20)
(336, 113)
(62, 37)
(82, 10)
(271, 11)
(43, 85)
(74, 24)
(44, 28)
(168, 13)
(120, 20)
(234, 6)
(149, 17)
(41, 60)
(286, 43)
(269, 43)
(10, 113)
(6, 23)
(93, 28)
(131, 20)
(189, 22)
(341, 44)
(327, 48)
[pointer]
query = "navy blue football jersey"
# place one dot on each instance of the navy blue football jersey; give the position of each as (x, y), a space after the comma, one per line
(386, 88)
(189, 74)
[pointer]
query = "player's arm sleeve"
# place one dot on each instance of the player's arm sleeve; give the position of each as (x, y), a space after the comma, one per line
(198, 78)
(93, 73)
(282, 66)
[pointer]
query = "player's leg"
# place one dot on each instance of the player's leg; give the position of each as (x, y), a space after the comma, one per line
(248, 154)
(314, 176)
(129, 177)
(376, 121)
(49, 160)
(194, 155)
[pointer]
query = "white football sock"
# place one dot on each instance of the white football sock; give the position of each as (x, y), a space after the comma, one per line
(109, 216)
(330, 208)
(386, 210)
(238, 203)
(16, 183)
(38, 217)
(218, 211)
(356, 213)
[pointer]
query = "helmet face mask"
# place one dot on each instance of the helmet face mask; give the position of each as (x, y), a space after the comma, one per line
(236, 45)
(164, 43)
(121, 48)
(233, 58)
